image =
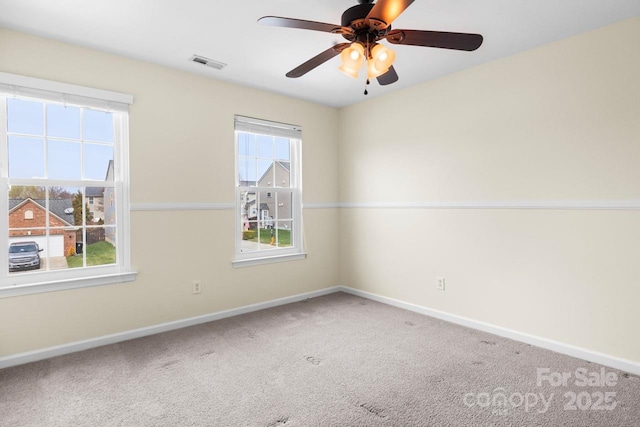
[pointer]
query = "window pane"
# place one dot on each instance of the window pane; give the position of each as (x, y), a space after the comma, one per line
(98, 162)
(110, 235)
(246, 144)
(248, 207)
(19, 193)
(247, 171)
(265, 173)
(248, 217)
(65, 207)
(25, 116)
(26, 157)
(61, 248)
(258, 239)
(100, 246)
(64, 159)
(94, 197)
(65, 222)
(109, 206)
(283, 234)
(63, 121)
(265, 146)
(27, 223)
(98, 126)
(283, 151)
(26, 250)
(282, 174)
(284, 203)
(266, 209)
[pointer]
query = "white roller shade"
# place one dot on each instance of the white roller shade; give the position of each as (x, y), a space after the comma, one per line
(248, 124)
(16, 85)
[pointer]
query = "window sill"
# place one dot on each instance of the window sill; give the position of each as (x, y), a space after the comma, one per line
(65, 284)
(248, 262)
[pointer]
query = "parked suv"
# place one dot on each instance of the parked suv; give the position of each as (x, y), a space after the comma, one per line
(24, 256)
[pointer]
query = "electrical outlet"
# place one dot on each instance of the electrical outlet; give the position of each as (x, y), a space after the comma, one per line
(197, 286)
(440, 284)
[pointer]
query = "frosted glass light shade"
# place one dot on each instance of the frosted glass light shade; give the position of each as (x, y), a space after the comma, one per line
(352, 59)
(381, 60)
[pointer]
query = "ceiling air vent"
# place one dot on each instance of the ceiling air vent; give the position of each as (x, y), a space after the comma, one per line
(208, 62)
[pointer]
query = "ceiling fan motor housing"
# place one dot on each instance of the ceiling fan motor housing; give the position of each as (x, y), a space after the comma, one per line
(364, 30)
(355, 16)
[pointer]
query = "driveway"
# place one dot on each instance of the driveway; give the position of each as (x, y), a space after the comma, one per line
(56, 263)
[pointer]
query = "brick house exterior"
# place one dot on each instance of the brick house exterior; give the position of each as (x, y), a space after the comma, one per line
(24, 215)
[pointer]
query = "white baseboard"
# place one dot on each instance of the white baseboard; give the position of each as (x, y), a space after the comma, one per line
(46, 353)
(559, 347)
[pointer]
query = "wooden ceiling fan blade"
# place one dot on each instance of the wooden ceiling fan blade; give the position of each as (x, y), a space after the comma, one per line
(389, 77)
(317, 60)
(384, 12)
(440, 39)
(278, 21)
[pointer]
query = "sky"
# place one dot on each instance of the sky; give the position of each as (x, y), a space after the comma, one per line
(64, 141)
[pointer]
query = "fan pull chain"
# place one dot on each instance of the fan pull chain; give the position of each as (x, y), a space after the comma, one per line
(366, 92)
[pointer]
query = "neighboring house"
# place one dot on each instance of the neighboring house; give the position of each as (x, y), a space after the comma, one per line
(95, 201)
(109, 207)
(267, 209)
(280, 171)
(28, 218)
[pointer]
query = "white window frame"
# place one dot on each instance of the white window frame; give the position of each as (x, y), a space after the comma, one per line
(12, 85)
(294, 134)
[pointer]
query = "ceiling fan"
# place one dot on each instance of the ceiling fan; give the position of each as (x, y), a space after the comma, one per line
(364, 26)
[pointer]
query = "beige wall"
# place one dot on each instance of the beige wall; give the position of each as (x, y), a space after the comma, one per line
(559, 123)
(181, 149)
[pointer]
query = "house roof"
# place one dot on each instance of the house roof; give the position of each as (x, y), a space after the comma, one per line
(285, 165)
(109, 173)
(94, 192)
(56, 206)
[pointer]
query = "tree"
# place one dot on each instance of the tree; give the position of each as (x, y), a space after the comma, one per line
(59, 193)
(35, 192)
(76, 203)
(25, 192)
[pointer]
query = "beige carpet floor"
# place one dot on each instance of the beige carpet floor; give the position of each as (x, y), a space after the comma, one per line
(337, 360)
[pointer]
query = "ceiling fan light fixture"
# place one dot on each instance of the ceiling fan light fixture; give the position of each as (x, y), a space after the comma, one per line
(363, 26)
(381, 60)
(352, 59)
(373, 72)
(349, 71)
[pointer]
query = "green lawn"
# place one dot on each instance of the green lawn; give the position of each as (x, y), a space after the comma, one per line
(284, 237)
(99, 253)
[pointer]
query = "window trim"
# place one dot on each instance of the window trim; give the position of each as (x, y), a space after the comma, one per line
(54, 92)
(294, 134)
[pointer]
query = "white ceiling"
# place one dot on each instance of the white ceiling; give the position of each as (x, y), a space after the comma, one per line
(169, 32)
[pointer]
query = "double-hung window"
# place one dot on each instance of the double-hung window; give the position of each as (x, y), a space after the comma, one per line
(268, 191)
(64, 154)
